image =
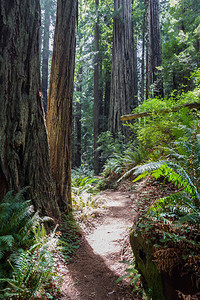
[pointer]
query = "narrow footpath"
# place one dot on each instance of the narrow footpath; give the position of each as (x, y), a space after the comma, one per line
(96, 266)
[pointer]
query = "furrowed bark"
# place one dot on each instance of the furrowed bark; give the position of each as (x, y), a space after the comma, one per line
(59, 108)
(24, 156)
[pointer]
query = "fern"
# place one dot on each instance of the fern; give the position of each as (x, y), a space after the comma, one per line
(172, 172)
(26, 262)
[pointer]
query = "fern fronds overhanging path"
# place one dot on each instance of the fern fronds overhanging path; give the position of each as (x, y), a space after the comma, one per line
(93, 272)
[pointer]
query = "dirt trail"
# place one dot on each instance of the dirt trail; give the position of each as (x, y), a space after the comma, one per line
(93, 272)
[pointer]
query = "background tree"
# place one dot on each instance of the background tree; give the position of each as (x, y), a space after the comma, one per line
(48, 20)
(84, 82)
(96, 89)
(154, 49)
(24, 157)
(59, 109)
(181, 35)
(122, 75)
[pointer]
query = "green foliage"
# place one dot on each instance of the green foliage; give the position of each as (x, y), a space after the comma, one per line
(85, 199)
(109, 145)
(172, 223)
(180, 23)
(82, 180)
(26, 250)
(160, 129)
(118, 157)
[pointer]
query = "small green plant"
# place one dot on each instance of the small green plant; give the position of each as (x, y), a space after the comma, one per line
(108, 145)
(134, 279)
(70, 236)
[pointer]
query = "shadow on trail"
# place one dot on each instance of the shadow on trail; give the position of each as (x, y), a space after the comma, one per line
(92, 278)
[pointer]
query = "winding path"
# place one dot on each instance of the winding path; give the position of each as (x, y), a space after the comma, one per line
(93, 272)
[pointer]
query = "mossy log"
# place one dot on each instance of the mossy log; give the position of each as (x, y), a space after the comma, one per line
(193, 105)
(161, 285)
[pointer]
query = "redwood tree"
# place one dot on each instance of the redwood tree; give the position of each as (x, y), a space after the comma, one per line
(59, 108)
(96, 90)
(24, 156)
(45, 52)
(122, 74)
(154, 49)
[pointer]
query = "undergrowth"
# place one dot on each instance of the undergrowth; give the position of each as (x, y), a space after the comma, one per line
(27, 252)
(171, 223)
(85, 199)
(70, 234)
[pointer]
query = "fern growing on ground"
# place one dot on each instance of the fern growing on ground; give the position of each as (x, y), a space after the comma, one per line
(26, 261)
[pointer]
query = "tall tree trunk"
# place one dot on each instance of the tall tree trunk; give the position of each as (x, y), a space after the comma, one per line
(143, 58)
(121, 97)
(77, 119)
(156, 48)
(59, 108)
(106, 99)
(153, 50)
(24, 156)
(148, 50)
(96, 90)
(135, 68)
(45, 53)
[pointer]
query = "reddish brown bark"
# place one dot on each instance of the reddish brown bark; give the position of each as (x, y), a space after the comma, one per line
(59, 108)
(24, 156)
(122, 74)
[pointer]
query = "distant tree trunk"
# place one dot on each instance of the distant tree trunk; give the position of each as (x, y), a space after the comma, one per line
(96, 90)
(148, 50)
(77, 119)
(143, 59)
(135, 68)
(122, 92)
(24, 156)
(106, 99)
(45, 53)
(198, 51)
(154, 50)
(59, 108)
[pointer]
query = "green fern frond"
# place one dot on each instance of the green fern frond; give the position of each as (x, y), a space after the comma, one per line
(7, 240)
(170, 170)
(148, 167)
(190, 218)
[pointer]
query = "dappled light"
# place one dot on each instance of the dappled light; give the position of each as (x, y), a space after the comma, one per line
(100, 150)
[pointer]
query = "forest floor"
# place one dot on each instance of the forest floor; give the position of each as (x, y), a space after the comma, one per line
(97, 264)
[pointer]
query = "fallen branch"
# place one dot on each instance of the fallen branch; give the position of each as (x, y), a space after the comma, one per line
(161, 111)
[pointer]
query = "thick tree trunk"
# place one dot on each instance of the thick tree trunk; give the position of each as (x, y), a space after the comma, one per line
(45, 53)
(24, 157)
(122, 74)
(96, 90)
(59, 109)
